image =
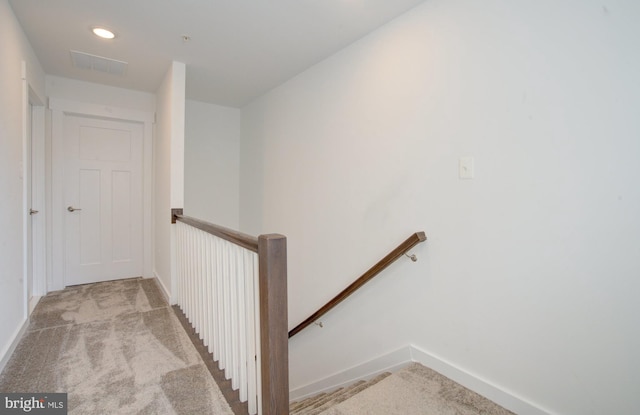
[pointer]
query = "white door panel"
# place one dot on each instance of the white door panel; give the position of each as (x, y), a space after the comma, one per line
(103, 196)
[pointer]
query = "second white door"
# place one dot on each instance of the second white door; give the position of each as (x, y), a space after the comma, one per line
(103, 200)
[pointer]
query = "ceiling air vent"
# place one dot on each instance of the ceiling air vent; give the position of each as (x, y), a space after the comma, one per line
(98, 63)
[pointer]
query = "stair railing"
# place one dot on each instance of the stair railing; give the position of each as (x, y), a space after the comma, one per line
(398, 252)
(232, 287)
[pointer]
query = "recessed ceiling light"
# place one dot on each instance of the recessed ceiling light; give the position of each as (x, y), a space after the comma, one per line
(103, 33)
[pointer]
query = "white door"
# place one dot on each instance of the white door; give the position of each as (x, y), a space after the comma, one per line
(103, 199)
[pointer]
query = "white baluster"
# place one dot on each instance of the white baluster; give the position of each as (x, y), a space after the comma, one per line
(235, 321)
(178, 260)
(209, 294)
(251, 333)
(196, 279)
(187, 274)
(189, 258)
(256, 312)
(216, 301)
(242, 325)
(220, 303)
(192, 276)
(217, 289)
(228, 309)
(201, 283)
(226, 328)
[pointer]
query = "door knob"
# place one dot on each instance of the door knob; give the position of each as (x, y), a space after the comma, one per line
(72, 209)
(32, 211)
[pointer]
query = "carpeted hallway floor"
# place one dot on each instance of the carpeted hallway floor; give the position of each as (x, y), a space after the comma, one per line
(115, 348)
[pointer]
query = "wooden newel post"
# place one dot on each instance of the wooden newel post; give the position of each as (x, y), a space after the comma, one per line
(274, 338)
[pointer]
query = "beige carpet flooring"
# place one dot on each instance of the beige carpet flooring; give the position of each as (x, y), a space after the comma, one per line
(115, 348)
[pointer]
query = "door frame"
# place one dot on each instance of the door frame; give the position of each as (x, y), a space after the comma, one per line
(60, 108)
(33, 175)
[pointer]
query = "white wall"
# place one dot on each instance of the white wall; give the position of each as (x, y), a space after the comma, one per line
(14, 49)
(212, 163)
(108, 96)
(168, 167)
(252, 168)
(529, 279)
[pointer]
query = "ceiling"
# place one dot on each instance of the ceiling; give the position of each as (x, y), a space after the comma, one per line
(238, 49)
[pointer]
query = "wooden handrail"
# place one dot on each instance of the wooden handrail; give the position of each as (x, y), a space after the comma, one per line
(246, 241)
(412, 241)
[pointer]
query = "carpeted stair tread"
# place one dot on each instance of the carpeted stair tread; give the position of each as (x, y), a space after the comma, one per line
(305, 405)
(352, 391)
(317, 404)
(330, 397)
(296, 407)
(312, 401)
(417, 390)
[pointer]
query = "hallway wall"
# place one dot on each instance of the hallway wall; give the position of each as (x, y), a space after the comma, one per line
(90, 93)
(168, 158)
(529, 278)
(212, 163)
(14, 49)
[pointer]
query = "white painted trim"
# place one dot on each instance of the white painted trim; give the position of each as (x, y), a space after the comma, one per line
(33, 175)
(164, 290)
(11, 347)
(55, 201)
(59, 109)
(38, 201)
(33, 302)
(397, 359)
(147, 198)
(26, 190)
(102, 111)
(389, 362)
(501, 396)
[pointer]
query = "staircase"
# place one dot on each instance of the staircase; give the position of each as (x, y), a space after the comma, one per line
(220, 274)
(414, 390)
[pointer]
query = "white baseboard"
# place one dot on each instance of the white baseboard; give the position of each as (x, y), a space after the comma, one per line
(33, 302)
(475, 383)
(389, 362)
(398, 359)
(165, 292)
(11, 347)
